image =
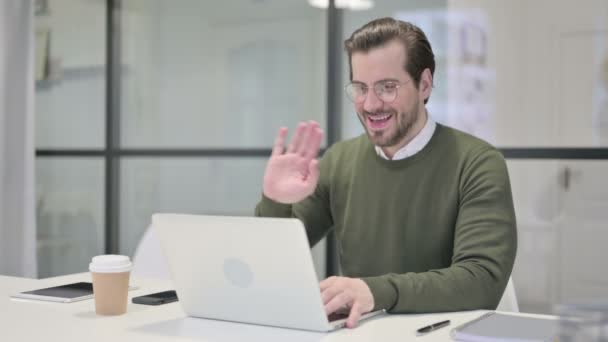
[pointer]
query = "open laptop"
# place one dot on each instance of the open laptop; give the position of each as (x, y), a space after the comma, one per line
(244, 269)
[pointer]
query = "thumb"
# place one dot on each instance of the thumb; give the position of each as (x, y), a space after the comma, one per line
(313, 171)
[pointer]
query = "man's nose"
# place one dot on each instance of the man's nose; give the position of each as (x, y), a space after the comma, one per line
(372, 103)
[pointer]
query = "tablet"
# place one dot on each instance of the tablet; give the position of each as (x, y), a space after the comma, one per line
(499, 327)
(63, 293)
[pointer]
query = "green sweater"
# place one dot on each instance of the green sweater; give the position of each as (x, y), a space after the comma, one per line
(432, 232)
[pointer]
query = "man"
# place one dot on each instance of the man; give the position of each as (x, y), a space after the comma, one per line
(423, 213)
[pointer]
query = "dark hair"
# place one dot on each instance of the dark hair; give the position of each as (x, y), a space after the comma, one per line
(376, 33)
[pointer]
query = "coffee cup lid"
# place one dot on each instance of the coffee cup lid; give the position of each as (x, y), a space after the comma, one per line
(110, 264)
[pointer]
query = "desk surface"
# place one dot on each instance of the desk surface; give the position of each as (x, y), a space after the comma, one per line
(23, 320)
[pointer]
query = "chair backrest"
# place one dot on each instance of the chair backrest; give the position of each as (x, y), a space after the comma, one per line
(149, 260)
(508, 302)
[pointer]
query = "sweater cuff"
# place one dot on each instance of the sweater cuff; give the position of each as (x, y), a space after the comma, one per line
(270, 208)
(385, 294)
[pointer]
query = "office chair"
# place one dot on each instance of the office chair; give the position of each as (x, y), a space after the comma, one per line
(149, 260)
(508, 302)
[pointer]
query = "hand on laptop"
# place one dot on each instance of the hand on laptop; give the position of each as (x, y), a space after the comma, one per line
(292, 175)
(347, 294)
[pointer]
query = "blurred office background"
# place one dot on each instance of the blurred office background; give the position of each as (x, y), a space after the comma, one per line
(143, 106)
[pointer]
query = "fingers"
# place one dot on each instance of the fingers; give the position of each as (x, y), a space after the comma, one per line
(329, 293)
(311, 149)
(354, 316)
(339, 301)
(279, 142)
(335, 294)
(307, 140)
(351, 294)
(313, 172)
(297, 138)
(326, 283)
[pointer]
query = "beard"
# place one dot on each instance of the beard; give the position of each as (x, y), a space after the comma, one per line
(395, 134)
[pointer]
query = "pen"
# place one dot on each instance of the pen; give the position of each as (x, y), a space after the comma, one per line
(432, 327)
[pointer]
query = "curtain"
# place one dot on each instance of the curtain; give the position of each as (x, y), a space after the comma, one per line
(17, 150)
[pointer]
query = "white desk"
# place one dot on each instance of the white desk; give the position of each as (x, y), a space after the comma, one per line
(38, 321)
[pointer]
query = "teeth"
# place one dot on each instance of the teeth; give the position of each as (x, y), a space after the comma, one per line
(379, 117)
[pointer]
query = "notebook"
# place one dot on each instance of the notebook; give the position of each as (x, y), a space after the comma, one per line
(498, 327)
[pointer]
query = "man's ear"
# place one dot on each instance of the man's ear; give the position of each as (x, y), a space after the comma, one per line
(426, 83)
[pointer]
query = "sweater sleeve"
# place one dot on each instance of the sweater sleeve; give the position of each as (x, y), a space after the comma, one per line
(313, 211)
(485, 243)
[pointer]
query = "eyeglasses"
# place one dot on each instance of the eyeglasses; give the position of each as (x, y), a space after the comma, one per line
(385, 90)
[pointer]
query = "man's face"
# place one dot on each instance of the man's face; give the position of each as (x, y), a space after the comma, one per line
(387, 124)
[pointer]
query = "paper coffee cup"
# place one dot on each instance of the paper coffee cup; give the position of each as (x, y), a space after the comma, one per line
(110, 275)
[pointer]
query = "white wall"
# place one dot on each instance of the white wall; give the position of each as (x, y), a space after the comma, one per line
(547, 91)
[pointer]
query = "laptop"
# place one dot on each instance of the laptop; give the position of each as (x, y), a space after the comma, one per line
(244, 269)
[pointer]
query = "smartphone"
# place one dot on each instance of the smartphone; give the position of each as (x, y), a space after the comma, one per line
(156, 298)
(67, 293)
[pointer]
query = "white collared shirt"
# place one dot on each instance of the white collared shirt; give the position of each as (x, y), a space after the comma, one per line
(414, 146)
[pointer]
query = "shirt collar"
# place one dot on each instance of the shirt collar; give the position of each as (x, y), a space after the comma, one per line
(414, 146)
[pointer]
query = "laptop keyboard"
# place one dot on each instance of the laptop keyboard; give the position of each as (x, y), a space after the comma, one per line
(337, 316)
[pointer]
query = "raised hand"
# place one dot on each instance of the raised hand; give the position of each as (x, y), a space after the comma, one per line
(292, 175)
